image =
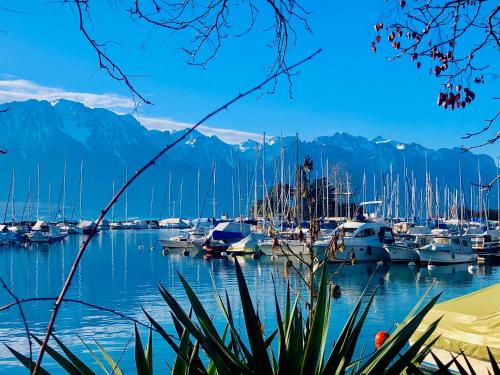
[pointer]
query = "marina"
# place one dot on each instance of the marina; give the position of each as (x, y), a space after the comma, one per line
(249, 188)
(126, 263)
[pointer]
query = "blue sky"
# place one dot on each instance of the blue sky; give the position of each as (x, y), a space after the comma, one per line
(346, 88)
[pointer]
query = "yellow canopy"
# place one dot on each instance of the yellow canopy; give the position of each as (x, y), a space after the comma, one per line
(469, 323)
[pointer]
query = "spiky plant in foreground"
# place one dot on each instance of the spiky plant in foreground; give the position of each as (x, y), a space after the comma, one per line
(300, 348)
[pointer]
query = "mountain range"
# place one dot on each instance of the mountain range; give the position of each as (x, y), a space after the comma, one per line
(45, 134)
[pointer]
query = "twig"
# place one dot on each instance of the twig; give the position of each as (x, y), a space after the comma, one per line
(146, 166)
(25, 322)
(19, 302)
(488, 125)
(487, 186)
(121, 354)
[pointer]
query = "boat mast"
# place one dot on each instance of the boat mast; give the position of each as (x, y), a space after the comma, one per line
(169, 194)
(64, 191)
(113, 206)
(180, 199)
(126, 193)
(81, 188)
(327, 189)
(8, 199)
(214, 211)
(255, 208)
(264, 181)
(151, 203)
(38, 191)
(48, 209)
(460, 190)
(13, 198)
(198, 194)
(282, 178)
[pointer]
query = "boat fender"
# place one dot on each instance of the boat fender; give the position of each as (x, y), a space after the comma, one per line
(411, 264)
(185, 253)
(152, 247)
(255, 256)
(141, 247)
(223, 254)
(336, 291)
(289, 263)
(431, 266)
(472, 268)
(380, 338)
(165, 252)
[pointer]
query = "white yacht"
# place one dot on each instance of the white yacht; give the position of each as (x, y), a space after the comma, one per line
(181, 241)
(363, 241)
(447, 250)
(404, 250)
(249, 244)
(283, 247)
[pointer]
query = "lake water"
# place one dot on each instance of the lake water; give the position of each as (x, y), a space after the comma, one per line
(116, 273)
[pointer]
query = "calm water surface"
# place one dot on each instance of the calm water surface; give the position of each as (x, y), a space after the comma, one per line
(116, 274)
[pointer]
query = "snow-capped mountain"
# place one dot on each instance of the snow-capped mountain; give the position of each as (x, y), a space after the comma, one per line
(46, 133)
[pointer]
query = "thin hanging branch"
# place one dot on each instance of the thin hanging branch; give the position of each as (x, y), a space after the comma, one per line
(19, 302)
(23, 317)
(204, 26)
(489, 123)
(140, 171)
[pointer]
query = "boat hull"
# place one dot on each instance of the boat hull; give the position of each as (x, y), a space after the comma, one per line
(362, 254)
(445, 257)
(402, 254)
(288, 248)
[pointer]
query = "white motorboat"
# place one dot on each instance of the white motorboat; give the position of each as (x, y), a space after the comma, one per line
(404, 250)
(177, 242)
(447, 250)
(248, 245)
(363, 241)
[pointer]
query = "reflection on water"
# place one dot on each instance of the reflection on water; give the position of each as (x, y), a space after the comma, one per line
(116, 273)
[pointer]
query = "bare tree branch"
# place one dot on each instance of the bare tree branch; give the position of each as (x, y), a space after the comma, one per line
(25, 322)
(486, 128)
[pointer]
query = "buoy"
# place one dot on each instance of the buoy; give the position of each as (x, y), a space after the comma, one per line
(141, 247)
(186, 253)
(412, 264)
(380, 338)
(336, 292)
(165, 252)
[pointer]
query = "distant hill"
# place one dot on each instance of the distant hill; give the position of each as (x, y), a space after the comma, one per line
(45, 133)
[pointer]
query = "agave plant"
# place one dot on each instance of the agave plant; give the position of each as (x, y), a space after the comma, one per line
(300, 348)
